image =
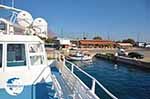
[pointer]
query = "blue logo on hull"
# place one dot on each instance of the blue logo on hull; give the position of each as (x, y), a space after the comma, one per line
(14, 86)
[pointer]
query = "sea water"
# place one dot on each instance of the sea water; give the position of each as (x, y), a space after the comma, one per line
(124, 81)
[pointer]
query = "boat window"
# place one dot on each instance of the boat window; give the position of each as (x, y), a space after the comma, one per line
(0, 55)
(36, 54)
(37, 60)
(35, 48)
(2, 26)
(16, 55)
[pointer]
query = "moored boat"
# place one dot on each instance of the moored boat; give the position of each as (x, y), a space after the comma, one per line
(78, 56)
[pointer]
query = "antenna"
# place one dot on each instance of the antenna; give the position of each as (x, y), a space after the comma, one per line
(13, 13)
(24, 19)
(40, 27)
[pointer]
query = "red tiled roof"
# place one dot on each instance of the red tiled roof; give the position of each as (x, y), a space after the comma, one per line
(96, 42)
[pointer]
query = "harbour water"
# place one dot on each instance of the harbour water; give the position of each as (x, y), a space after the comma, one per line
(124, 81)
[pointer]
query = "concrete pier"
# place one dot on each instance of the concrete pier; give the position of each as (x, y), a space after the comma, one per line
(136, 62)
(126, 60)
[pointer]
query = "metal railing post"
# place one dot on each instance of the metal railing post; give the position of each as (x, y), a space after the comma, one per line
(72, 68)
(93, 85)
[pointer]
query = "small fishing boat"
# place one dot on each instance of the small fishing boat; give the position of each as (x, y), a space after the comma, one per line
(79, 56)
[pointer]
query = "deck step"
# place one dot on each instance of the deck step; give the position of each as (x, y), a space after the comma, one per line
(53, 98)
(54, 69)
(50, 83)
(51, 93)
(45, 91)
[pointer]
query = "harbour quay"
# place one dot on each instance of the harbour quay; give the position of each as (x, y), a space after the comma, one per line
(143, 63)
(132, 61)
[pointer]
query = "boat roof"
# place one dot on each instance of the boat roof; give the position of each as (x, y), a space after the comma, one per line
(20, 38)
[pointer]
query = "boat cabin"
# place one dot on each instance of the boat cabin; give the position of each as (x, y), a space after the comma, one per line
(21, 51)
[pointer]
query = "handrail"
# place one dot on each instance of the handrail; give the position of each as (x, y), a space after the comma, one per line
(57, 86)
(10, 8)
(37, 78)
(94, 80)
(85, 86)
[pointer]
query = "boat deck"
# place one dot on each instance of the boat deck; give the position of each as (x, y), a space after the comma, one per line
(72, 87)
(67, 92)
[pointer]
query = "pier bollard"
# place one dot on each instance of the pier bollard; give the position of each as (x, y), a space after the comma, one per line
(61, 62)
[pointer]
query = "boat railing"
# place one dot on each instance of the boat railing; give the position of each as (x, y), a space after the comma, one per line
(34, 83)
(57, 87)
(78, 86)
(54, 80)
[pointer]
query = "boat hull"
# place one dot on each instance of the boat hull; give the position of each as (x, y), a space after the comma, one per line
(38, 91)
(79, 58)
(33, 83)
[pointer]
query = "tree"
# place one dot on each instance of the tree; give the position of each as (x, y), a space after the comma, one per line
(84, 38)
(97, 38)
(118, 41)
(49, 39)
(129, 40)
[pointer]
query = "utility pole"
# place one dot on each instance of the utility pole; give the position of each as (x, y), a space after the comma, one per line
(84, 35)
(108, 36)
(61, 33)
(138, 37)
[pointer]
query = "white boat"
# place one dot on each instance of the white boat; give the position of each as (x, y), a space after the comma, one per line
(25, 72)
(78, 56)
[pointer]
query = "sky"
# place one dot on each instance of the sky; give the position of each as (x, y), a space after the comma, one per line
(110, 19)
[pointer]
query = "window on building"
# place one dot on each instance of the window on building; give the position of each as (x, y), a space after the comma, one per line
(16, 55)
(1, 48)
(36, 54)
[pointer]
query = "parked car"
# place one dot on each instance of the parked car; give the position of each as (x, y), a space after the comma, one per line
(147, 46)
(121, 52)
(135, 55)
(73, 48)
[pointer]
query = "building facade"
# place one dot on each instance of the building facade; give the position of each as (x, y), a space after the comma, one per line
(125, 45)
(96, 44)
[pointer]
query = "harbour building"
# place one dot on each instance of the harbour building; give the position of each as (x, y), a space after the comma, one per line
(97, 44)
